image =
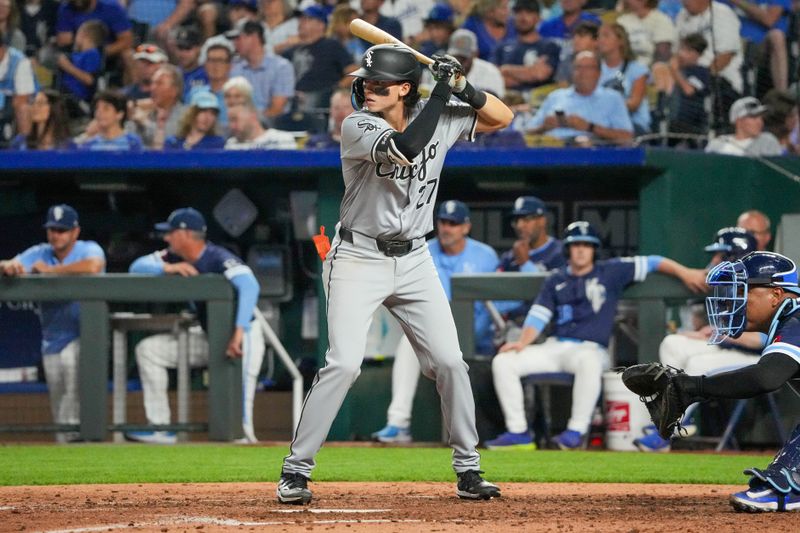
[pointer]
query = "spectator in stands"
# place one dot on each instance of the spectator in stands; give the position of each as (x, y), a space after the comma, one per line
(691, 87)
(370, 12)
(561, 28)
(781, 118)
(81, 68)
(110, 110)
(271, 76)
(17, 84)
(490, 21)
(621, 72)
(339, 30)
(148, 57)
(216, 57)
(187, 50)
(534, 250)
(63, 254)
(73, 13)
(585, 112)
(248, 134)
(528, 61)
(280, 25)
(237, 91)
(765, 24)
(50, 124)
(320, 63)
(758, 224)
(580, 299)
(190, 254)
(749, 137)
(155, 19)
(482, 74)
(723, 55)
(197, 129)
(157, 119)
(651, 32)
(9, 25)
(239, 10)
(439, 26)
(209, 17)
(340, 107)
(584, 39)
(37, 20)
(409, 13)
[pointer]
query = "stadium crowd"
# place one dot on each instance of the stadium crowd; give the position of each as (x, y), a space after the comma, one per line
(246, 74)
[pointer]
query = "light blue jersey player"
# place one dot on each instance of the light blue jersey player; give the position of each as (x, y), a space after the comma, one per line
(581, 299)
(758, 293)
(189, 254)
(453, 253)
(63, 254)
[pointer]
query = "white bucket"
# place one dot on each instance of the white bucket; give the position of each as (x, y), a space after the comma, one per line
(625, 414)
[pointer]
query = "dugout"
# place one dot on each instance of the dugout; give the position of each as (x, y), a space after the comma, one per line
(642, 200)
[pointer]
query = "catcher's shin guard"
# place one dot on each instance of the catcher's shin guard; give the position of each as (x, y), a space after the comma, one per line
(783, 473)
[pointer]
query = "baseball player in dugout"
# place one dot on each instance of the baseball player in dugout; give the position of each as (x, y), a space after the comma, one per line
(758, 293)
(690, 349)
(453, 253)
(190, 254)
(393, 150)
(534, 250)
(62, 254)
(582, 300)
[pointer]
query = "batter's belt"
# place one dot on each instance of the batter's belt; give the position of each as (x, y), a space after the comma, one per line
(389, 248)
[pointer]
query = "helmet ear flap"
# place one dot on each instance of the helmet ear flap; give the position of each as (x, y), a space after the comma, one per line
(357, 93)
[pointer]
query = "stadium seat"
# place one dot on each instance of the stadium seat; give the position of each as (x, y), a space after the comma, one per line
(541, 383)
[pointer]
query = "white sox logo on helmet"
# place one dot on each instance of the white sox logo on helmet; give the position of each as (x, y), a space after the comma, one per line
(368, 58)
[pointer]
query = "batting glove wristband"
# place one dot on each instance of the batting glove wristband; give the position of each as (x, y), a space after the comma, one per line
(446, 69)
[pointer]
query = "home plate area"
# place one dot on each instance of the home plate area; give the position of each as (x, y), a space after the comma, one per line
(557, 507)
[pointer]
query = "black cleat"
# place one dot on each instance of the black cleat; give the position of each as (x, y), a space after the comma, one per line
(472, 486)
(293, 489)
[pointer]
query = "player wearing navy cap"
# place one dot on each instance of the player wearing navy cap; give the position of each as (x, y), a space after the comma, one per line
(690, 349)
(758, 293)
(581, 299)
(453, 253)
(62, 254)
(189, 254)
(534, 250)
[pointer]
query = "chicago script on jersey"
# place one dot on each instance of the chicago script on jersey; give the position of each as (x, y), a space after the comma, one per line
(418, 170)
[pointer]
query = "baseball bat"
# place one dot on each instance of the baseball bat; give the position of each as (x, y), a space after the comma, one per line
(368, 32)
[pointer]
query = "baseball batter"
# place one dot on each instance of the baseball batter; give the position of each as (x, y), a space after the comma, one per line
(582, 299)
(393, 149)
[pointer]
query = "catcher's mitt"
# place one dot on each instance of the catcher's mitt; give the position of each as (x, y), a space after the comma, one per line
(658, 388)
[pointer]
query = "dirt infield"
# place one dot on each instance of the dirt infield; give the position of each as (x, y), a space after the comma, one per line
(380, 507)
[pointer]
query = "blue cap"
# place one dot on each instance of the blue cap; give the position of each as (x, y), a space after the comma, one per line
(440, 12)
(183, 218)
(528, 205)
(454, 211)
(316, 12)
(61, 216)
(252, 5)
(204, 100)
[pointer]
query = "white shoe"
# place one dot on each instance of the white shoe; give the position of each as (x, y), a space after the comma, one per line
(152, 437)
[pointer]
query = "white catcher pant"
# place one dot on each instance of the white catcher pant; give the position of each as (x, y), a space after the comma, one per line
(586, 360)
(405, 377)
(157, 353)
(357, 280)
(61, 373)
(697, 357)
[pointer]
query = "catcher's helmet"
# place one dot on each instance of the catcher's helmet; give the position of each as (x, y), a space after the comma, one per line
(734, 243)
(581, 231)
(727, 307)
(389, 62)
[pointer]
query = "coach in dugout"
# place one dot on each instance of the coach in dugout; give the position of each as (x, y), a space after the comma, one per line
(63, 254)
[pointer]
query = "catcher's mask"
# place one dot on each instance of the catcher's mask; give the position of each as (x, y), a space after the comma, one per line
(726, 308)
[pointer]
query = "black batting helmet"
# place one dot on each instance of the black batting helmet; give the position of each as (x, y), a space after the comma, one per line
(389, 62)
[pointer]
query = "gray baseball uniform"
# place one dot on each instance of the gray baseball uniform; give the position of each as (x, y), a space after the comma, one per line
(388, 199)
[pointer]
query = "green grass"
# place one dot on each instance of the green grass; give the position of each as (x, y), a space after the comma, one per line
(195, 463)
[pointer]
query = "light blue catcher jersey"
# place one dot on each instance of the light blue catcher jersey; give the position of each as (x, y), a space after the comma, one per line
(476, 257)
(60, 320)
(784, 332)
(584, 306)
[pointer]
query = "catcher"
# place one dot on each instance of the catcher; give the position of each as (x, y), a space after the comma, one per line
(756, 293)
